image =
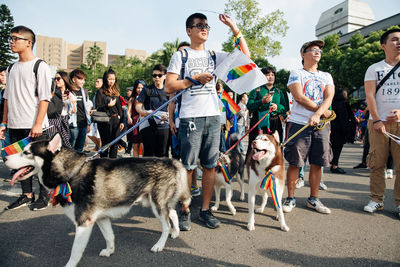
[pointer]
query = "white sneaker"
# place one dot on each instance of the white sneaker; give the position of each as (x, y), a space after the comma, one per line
(373, 206)
(300, 183)
(389, 174)
(322, 186)
(316, 204)
(289, 204)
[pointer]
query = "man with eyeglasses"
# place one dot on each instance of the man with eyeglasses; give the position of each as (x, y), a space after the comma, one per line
(26, 99)
(199, 129)
(312, 91)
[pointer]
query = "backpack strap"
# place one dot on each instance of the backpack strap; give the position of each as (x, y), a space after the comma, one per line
(184, 56)
(35, 70)
(214, 57)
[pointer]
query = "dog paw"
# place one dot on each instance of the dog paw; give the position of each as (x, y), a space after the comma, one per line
(214, 208)
(285, 228)
(174, 234)
(250, 227)
(157, 248)
(233, 211)
(106, 252)
(241, 198)
(260, 210)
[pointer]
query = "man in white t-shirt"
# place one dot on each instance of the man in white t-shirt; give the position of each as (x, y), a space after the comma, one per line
(312, 91)
(199, 129)
(26, 99)
(384, 108)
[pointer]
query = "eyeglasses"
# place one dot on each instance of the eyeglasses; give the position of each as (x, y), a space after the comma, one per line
(315, 50)
(16, 38)
(201, 26)
(58, 79)
(157, 75)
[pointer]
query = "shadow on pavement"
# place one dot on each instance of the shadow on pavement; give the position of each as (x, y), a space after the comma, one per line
(297, 259)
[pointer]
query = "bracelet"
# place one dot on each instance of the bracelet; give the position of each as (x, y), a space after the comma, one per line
(193, 80)
(239, 35)
(376, 121)
(3, 124)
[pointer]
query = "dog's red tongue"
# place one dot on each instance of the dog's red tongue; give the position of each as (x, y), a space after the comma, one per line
(18, 174)
(259, 154)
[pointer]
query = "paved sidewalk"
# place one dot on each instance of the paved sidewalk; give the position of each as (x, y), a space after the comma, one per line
(347, 237)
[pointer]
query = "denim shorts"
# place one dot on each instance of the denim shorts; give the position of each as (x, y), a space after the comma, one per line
(199, 138)
(310, 143)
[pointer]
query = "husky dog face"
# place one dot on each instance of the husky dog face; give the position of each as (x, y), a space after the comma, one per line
(31, 160)
(265, 146)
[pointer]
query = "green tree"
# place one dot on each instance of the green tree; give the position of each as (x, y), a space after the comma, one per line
(282, 77)
(6, 24)
(259, 30)
(93, 58)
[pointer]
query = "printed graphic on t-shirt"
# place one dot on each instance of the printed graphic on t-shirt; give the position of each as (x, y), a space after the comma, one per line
(313, 86)
(199, 65)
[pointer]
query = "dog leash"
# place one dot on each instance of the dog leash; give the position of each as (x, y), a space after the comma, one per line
(319, 127)
(395, 138)
(251, 129)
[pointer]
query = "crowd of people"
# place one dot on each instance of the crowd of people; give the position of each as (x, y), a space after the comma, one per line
(194, 128)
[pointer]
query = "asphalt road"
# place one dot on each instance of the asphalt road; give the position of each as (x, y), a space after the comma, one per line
(346, 237)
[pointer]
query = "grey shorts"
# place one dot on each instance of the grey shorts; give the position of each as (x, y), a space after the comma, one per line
(199, 138)
(310, 143)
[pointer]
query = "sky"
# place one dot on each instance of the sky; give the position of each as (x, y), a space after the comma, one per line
(146, 25)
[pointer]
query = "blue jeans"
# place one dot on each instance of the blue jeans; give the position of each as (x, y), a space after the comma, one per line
(241, 132)
(77, 139)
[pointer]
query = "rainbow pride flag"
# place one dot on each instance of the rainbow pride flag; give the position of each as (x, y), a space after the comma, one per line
(238, 72)
(229, 103)
(16, 147)
(225, 172)
(269, 183)
(64, 190)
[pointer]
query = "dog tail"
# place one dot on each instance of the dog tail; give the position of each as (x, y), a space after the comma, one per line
(181, 176)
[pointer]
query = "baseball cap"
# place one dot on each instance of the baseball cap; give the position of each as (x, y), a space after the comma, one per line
(319, 43)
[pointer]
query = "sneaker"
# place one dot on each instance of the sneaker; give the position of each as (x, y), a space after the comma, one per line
(389, 174)
(322, 186)
(373, 206)
(316, 204)
(121, 148)
(361, 166)
(22, 201)
(289, 204)
(40, 204)
(195, 191)
(208, 218)
(184, 221)
(300, 183)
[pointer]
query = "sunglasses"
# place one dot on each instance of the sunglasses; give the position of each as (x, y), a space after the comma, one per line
(157, 75)
(315, 50)
(201, 26)
(16, 38)
(58, 79)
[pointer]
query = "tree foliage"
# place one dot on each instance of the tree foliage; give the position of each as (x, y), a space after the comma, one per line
(6, 24)
(348, 63)
(259, 30)
(94, 56)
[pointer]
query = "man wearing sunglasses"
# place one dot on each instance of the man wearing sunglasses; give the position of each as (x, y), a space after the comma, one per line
(199, 130)
(26, 99)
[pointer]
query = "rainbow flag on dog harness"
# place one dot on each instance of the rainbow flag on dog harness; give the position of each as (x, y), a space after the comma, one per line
(16, 147)
(225, 172)
(268, 183)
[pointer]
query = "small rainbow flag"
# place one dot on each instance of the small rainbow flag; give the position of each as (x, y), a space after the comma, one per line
(269, 183)
(229, 103)
(240, 71)
(16, 147)
(225, 172)
(64, 190)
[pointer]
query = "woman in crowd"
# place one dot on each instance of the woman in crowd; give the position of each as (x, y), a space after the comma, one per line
(133, 117)
(154, 131)
(108, 100)
(63, 89)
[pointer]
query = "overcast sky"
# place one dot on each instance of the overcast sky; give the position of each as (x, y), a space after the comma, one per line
(148, 24)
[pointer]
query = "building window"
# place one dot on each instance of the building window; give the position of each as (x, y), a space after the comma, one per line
(338, 11)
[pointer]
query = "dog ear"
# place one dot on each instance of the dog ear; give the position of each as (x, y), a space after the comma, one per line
(276, 136)
(55, 143)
